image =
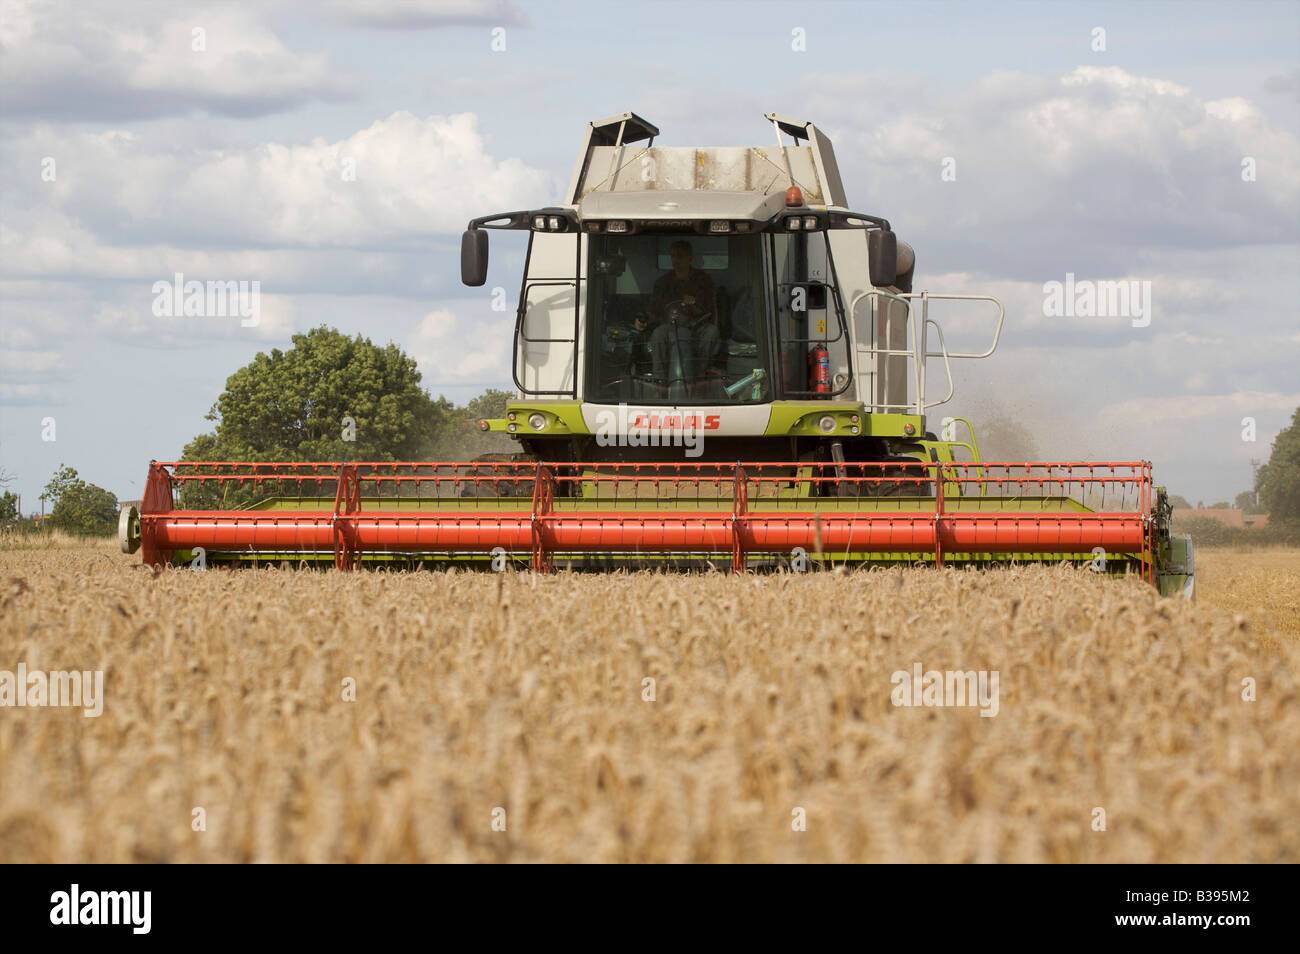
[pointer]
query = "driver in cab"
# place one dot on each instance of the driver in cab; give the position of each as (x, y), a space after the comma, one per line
(683, 308)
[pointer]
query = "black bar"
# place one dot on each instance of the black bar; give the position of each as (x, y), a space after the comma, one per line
(943, 906)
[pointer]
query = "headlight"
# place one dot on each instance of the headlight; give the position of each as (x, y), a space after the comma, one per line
(536, 421)
(827, 423)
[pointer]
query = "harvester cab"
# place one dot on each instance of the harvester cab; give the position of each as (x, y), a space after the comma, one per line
(729, 294)
(714, 356)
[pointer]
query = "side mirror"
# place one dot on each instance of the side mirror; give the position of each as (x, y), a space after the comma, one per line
(882, 254)
(474, 257)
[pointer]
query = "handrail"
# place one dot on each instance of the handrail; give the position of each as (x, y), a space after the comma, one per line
(873, 351)
(946, 366)
(925, 297)
(919, 351)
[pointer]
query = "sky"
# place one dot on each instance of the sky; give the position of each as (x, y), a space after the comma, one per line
(334, 151)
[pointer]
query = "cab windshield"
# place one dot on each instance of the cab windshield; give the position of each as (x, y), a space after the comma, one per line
(677, 318)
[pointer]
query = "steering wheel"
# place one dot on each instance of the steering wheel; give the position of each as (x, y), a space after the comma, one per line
(681, 303)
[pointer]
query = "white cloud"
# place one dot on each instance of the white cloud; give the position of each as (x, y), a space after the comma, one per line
(27, 361)
(1087, 172)
(399, 180)
(20, 393)
(17, 337)
(135, 323)
(31, 353)
(450, 350)
(1199, 407)
(1114, 76)
(1235, 110)
(416, 14)
(64, 60)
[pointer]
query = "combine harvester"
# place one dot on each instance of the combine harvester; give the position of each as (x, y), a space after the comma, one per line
(715, 358)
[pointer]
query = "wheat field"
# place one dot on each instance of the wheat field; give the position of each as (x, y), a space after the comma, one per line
(486, 702)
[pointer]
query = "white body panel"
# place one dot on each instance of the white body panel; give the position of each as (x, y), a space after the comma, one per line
(822, 322)
(549, 313)
(875, 321)
(705, 169)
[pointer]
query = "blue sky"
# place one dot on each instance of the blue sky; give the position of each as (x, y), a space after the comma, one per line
(1122, 163)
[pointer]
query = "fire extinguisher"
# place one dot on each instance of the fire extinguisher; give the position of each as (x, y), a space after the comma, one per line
(819, 369)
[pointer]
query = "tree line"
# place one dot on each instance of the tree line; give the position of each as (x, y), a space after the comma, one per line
(329, 397)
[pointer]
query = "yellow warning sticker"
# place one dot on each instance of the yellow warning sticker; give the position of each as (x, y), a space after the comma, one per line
(821, 326)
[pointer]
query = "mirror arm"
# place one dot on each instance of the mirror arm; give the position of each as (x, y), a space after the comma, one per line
(523, 220)
(513, 220)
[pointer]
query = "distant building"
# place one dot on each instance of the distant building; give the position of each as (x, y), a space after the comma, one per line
(1225, 516)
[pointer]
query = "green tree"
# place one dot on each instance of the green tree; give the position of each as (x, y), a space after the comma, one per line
(1278, 481)
(491, 403)
(328, 398)
(79, 507)
(462, 439)
(64, 480)
(1246, 501)
(1179, 503)
(8, 501)
(333, 398)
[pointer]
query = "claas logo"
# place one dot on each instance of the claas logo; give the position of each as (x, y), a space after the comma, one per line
(678, 422)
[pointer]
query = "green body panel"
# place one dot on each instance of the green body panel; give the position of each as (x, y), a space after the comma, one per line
(800, 419)
(787, 419)
(563, 418)
(1177, 575)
